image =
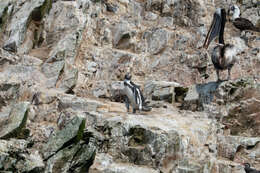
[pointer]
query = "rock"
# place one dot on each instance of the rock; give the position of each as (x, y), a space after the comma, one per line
(100, 89)
(70, 134)
(31, 162)
(242, 114)
(111, 7)
(84, 158)
(160, 90)
(150, 16)
(78, 103)
(16, 121)
(200, 94)
(3, 8)
(186, 167)
(76, 158)
(122, 35)
(228, 146)
(151, 140)
(79, 50)
(6, 57)
(154, 5)
(166, 22)
(84, 5)
(18, 26)
(15, 156)
(69, 79)
(156, 39)
(117, 91)
(105, 164)
(5, 11)
(10, 91)
(250, 14)
(59, 67)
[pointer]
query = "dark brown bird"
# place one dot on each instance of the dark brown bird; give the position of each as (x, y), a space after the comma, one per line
(250, 170)
(241, 23)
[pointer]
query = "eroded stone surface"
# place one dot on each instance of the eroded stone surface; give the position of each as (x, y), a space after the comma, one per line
(71, 60)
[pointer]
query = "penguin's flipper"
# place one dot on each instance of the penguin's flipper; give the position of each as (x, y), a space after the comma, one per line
(134, 110)
(127, 103)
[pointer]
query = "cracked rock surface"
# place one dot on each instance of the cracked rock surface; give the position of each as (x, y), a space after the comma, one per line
(62, 64)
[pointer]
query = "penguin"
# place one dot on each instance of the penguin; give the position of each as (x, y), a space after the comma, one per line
(134, 96)
(250, 170)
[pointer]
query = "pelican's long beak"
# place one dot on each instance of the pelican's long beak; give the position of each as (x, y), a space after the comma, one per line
(214, 29)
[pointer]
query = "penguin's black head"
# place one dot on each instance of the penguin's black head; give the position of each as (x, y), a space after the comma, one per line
(128, 76)
(247, 165)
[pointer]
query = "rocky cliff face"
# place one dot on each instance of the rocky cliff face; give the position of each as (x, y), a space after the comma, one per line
(62, 63)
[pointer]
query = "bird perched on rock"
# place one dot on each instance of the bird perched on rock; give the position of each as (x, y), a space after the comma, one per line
(240, 23)
(134, 96)
(250, 170)
(223, 55)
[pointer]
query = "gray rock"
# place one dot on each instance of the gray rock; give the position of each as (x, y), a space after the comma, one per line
(200, 94)
(71, 133)
(122, 35)
(104, 164)
(5, 11)
(166, 22)
(78, 103)
(3, 7)
(100, 89)
(10, 91)
(150, 16)
(16, 157)
(84, 158)
(18, 26)
(160, 90)
(186, 167)
(228, 145)
(32, 162)
(157, 40)
(16, 121)
(69, 78)
(76, 158)
(84, 5)
(140, 144)
(59, 67)
(6, 57)
(117, 91)
(154, 5)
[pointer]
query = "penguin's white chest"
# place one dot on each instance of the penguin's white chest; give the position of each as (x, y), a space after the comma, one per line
(134, 98)
(131, 97)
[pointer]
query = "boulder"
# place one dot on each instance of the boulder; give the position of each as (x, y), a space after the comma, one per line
(104, 164)
(157, 40)
(76, 158)
(71, 133)
(160, 90)
(78, 103)
(16, 121)
(59, 67)
(34, 10)
(16, 157)
(200, 94)
(228, 146)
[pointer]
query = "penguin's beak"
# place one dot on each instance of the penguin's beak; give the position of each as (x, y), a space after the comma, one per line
(214, 30)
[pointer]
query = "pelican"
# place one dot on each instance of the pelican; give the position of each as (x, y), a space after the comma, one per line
(241, 23)
(223, 55)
